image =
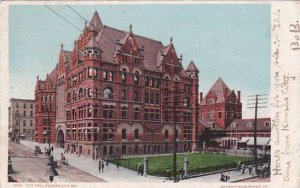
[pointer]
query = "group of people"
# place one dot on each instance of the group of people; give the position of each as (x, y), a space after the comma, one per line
(225, 176)
(101, 165)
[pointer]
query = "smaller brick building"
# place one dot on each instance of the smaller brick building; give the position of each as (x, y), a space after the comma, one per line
(45, 108)
(21, 119)
(221, 105)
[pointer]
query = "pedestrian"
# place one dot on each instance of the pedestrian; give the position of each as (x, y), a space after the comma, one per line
(250, 170)
(227, 176)
(118, 165)
(52, 149)
(222, 176)
(243, 168)
(182, 173)
(102, 165)
(142, 170)
(99, 166)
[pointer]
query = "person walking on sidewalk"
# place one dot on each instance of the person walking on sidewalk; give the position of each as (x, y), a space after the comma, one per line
(243, 168)
(118, 165)
(102, 166)
(52, 149)
(99, 166)
(250, 170)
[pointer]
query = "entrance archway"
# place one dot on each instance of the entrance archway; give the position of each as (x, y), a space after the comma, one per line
(60, 139)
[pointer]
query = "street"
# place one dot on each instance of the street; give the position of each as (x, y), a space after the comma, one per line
(28, 168)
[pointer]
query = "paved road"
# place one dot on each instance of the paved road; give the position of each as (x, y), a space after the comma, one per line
(28, 168)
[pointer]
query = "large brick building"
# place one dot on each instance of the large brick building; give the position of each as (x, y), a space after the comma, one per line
(109, 95)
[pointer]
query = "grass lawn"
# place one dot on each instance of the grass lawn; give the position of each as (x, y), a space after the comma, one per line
(198, 162)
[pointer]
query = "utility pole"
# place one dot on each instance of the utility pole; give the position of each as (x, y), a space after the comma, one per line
(49, 129)
(171, 103)
(258, 101)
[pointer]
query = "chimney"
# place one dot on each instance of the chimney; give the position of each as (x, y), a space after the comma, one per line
(239, 96)
(201, 96)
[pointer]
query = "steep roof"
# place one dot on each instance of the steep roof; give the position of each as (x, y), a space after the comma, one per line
(109, 36)
(95, 23)
(192, 67)
(219, 91)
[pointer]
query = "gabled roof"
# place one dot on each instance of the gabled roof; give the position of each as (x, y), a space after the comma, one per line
(192, 67)
(219, 91)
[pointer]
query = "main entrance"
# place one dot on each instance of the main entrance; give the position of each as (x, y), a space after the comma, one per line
(60, 140)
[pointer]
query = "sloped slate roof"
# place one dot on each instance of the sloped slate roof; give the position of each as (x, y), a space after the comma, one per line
(218, 90)
(109, 36)
(209, 124)
(242, 125)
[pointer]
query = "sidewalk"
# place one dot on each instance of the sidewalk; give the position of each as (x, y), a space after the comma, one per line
(111, 174)
(86, 164)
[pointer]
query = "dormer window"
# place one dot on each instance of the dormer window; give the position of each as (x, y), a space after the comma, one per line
(249, 124)
(267, 124)
(234, 125)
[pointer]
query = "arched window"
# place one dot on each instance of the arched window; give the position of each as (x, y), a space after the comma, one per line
(166, 134)
(136, 134)
(108, 93)
(74, 97)
(123, 133)
(104, 75)
(124, 75)
(136, 78)
(89, 92)
(80, 95)
(69, 98)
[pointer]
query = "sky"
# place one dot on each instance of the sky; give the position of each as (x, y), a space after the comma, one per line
(227, 41)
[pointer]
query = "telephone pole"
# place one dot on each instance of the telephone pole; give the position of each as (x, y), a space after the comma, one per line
(260, 102)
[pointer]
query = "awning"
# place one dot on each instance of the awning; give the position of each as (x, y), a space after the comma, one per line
(244, 139)
(260, 141)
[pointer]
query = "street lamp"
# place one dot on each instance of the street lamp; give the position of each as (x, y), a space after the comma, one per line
(49, 129)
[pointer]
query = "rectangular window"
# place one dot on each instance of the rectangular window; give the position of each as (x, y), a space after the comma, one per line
(24, 113)
(124, 112)
(31, 123)
(219, 114)
(136, 95)
(31, 113)
(152, 114)
(146, 97)
(152, 98)
(157, 98)
(136, 113)
(157, 114)
(146, 114)
(107, 132)
(17, 105)
(24, 105)
(24, 123)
